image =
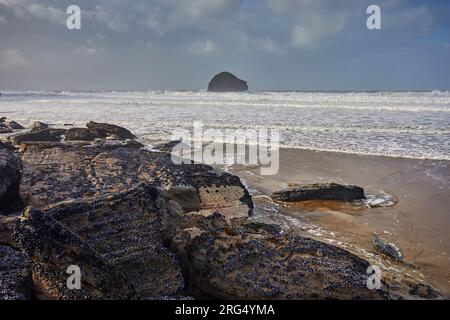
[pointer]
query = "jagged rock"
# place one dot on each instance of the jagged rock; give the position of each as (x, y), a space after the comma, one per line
(226, 82)
(15, 126)
(7, 145)
(6, 226)
(387, 249)
(82, 187)
(4, 129)
(133, 220)
(38, 135)
(79, 134)
(102, 130)
(86, 172)
(167, 146)
(53, 248)
(38, 125)
(10, 174)
(15, 275)
(126, 230)
(3, 119)
(4, 232)
(263, 225)
(320, 191)
(223, 262)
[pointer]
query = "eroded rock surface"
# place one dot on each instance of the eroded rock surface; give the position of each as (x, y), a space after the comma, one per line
(141, 227)
(58, 172)
(79, 134)
(104, 130)
(4, 128)
(15, 274)
(10, 174)
(53, 248)
(15, 125)
(38, 125)
(117, 200)
(240, 263)
(320, 191)
(43, 135)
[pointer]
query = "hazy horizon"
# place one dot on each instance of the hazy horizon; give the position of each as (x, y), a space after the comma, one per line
(275, 45)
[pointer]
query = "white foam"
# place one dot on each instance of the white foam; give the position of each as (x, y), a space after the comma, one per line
(398, 124)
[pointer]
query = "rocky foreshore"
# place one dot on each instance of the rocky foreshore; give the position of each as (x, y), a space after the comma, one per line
(141, 227)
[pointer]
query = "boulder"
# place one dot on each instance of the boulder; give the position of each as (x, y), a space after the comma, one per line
(44, 135)
(2, 119)
(4, 128)
(77, 172)
(320, 191)
(6, 225)
(223, 262)
(38, 125)
(15, 126)
(53, 248)
(79, 134)
(261, 224)
(226, 82)
(10, 175)
(387, 249)
(103, 130)
(15, 275)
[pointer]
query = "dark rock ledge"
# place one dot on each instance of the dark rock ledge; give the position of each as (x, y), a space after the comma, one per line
(320, 191)
(141, 227)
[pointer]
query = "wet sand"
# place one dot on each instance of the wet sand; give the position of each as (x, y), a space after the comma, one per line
(419, 224)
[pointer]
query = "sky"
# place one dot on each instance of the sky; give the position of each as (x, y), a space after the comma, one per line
(181, 44)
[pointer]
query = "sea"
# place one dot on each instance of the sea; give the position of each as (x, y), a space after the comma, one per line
(395, 124)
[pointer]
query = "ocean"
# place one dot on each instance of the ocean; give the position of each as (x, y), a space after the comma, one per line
(396, 124)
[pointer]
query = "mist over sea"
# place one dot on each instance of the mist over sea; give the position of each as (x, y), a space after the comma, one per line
(399, 124)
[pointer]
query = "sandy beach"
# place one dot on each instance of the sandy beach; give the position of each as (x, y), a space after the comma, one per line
(418, 224)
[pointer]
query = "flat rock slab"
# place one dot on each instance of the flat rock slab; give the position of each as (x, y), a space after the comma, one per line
(59, 172)
(320, 191)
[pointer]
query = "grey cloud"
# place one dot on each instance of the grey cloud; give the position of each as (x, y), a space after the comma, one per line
(167, 44)
(11, 58)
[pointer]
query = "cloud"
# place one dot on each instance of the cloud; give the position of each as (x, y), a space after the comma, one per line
(267, 45)
(89, 49)
(312, 21)
(203, 47)
(25, 9)
(195, 10)
(419, 19)
(106, 17)
(315, 29)
(11, 58)
(164, 16)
